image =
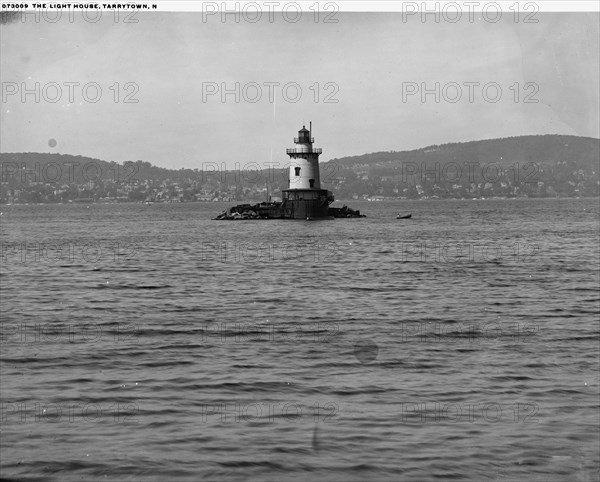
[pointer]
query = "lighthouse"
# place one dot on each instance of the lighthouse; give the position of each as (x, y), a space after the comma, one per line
(304, 198)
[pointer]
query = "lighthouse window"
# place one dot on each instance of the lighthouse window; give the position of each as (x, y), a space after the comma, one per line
(297, 171)
(312, 182)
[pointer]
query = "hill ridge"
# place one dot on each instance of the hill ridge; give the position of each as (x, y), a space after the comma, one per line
(533, 165)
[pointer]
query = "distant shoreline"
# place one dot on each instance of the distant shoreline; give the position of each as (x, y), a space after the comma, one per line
(337, 201)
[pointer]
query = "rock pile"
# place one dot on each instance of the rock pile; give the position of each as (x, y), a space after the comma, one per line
(345, 212)
(264, 210)
(274, 210)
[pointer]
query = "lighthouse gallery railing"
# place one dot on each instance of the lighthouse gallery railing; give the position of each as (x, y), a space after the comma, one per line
(317, 150)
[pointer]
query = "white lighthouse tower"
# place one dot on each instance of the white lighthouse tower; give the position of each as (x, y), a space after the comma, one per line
(304, 197)
(304, 162)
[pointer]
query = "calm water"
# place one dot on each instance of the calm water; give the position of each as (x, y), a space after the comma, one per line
(151, 343)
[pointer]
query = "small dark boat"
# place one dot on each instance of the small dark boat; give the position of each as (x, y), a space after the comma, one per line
(406, 216)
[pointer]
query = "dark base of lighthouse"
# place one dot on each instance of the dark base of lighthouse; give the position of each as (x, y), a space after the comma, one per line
(306, 203)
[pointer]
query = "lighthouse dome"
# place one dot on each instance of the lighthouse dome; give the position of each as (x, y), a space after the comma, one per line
(303, 136)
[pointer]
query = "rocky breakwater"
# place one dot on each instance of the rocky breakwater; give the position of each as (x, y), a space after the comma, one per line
(276, 210)
(345, 212)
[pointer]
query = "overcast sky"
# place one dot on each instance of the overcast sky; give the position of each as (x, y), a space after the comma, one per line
(365, 58)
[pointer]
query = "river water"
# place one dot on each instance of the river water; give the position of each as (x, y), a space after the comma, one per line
(152, 343)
